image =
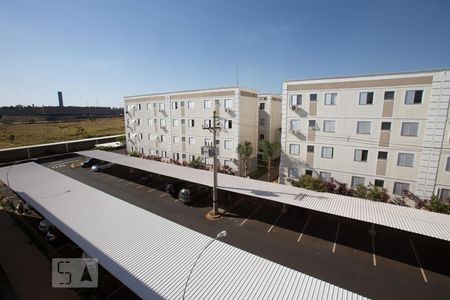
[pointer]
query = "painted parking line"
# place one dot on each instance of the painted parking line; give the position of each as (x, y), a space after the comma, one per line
(418, 261)
(139, 187)
(303, 230)
(129, 183)
(120, 180)
(151, 190)
(243, 222)
(336, 237)
(372, 234)
(271, 227)
(163, 195)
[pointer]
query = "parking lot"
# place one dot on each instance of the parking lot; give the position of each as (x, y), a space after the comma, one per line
(372, 261)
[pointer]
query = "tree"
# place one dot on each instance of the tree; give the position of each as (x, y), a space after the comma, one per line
(197, 163)
(245, 150)
(269, 150)
(438, 206)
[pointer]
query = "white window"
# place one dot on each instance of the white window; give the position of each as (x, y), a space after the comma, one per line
(175, 139)
(162, 138)
(174, 105)
(191, 141)
(405, 159)
(162, 123)
(330, 98)
(228, 103)
(150, 122)
(365, 98)
(207, 123)
(228, 124)
(207, 104)
(361, 155)
(400, 188)
(176, 122)
(227, 162)
(327, 152)
(191, 123)
(208, 142)
(163, 154)
(141, 136)
(356, 180)
(295, 124)
(294, 149)
(325, 176)
(227, 144)
(139, 121)
(292, 172)
(191, 104)
(410, 129)
(413, 97)
(161, 106)
(329, 126)
(447, 166)
(363, 127)
(296, 100)
(191, 157)
(151, 152)
(149, 106)
(139, 107)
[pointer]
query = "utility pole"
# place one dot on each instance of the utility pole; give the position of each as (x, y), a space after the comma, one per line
(215, 127)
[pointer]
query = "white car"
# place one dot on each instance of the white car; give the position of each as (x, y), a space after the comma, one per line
(44, 225)
(103, 165)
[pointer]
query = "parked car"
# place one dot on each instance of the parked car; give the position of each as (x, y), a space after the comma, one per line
(44, 225)
(102, 165)
(173, 188)
(89, 163)
(193, 191)
(53, 234)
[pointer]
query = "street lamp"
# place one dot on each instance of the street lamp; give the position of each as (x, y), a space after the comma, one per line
(221, 234)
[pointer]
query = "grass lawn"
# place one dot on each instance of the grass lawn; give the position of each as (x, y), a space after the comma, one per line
(33, 134)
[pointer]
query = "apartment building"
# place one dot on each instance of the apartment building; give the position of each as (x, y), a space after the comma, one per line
(171, 125)
(390, 130)
(269, 121)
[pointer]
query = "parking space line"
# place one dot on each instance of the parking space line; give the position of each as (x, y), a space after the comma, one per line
(418, 261)
(271, 227)
(163, 195)
(243, 222)
(139, 187)
(129, 183)
(303, 230)
(372, 234)
(151, 190)
(336, 237)
(120, 180)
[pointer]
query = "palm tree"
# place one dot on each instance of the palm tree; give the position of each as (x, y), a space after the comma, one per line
(245, 150)
(269, 150)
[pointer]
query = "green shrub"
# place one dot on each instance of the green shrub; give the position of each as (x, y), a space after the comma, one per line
(310, 183)
(438, 206)
(134, 154)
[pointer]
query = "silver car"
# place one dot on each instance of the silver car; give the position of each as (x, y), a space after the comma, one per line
(103, 165)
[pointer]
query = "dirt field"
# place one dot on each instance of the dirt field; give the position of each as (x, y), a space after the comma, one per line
(33, 134)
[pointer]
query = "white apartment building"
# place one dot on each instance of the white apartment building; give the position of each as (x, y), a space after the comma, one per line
(391, 130)
(170, 125)
(269, 121)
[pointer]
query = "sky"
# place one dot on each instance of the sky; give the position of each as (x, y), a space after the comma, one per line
(100, 51)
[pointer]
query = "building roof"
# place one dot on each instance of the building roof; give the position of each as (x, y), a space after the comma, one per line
(152, 255)
(408, 219)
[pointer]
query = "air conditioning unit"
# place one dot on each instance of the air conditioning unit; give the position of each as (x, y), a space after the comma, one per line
(227, 109)
(209, 151)
(294, 131)
(134, 121)
(161, 110)
(162, 126)
(295, 107)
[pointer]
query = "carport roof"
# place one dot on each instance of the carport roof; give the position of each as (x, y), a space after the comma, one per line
(408, 219)
(152, 255)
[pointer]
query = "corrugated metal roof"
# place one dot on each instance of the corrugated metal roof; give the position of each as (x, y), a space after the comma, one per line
(403, 218)
(152, 255)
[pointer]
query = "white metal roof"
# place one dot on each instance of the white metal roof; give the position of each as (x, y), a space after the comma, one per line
(403, 218)
(152, 255)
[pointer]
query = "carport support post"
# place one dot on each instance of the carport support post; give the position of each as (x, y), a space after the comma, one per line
(215, 196)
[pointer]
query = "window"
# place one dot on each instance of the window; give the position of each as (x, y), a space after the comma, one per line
(310, 149)
(162, 123)
(208, 142)
(413, 97)
(400, 188)
(228, 103)
(207, 104)
(410, 129)
(309, 172)
(176, 156)
(365, 98)
(325, 176)
(191, 157)
(228, 124)
(175, 139)
(141, 136)
(183, 139)
(327, 152)
(261, 136)
(292, 172)
(296, 100)
(149, 106)
(447, 165)
(227, 162)
(379, 183)
(313, 97)
(162, 138)
(363, 127)
(405, 160)
(295, 125)
(174, 105)
(176, 122)
(389, 95)
(191, 104)
(385, 125)
(161, 107)
(191, 141)
(262, 105)
(163, 153)
(382, 155)
(294, 149)
(329, 126)
(139, 107)
(182, 103)
(191, 123)
(361, 155)
(330, 98)
(356, 180)
(150, 137)
(207, 123)
(182, 121)
(312, 124)
(262, 122)
(227, 144)
(139, 121)
(150, 122)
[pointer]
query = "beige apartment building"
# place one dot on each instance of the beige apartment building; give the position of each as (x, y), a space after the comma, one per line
(391, 130)
(269, 121)
(171, 125)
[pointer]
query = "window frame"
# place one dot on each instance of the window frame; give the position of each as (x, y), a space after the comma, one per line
(360, 154)
(366, 98)
(414, 98)
(365, 122)
(402, 129)
(297, 148)
(401, 184)
(327, 126)
(327, 148)
(354, 178)
(404, 159)
(333, 99)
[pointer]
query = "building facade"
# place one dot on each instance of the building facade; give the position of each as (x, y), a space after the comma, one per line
(269, 121)
(390, 130)
(172, 125)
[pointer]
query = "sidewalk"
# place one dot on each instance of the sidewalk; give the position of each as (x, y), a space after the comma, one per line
(26, 268)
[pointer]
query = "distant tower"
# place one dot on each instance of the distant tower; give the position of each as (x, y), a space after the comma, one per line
(60, 99)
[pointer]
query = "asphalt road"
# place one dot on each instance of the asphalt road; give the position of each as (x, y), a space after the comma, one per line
(385, 265)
